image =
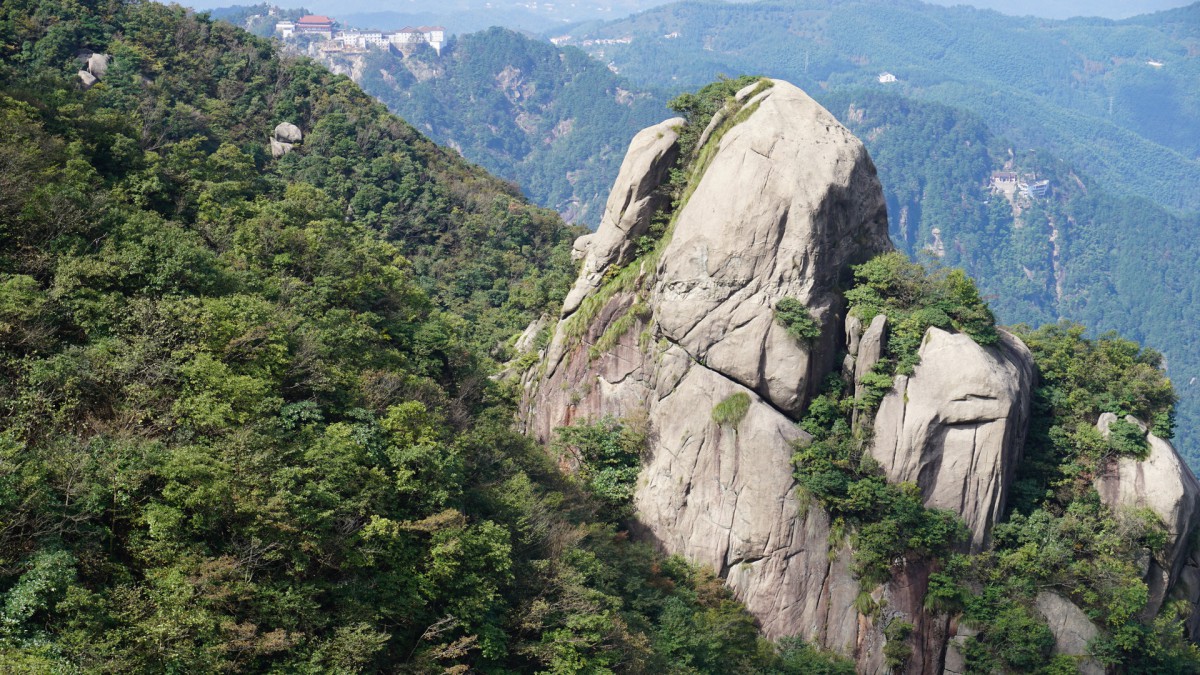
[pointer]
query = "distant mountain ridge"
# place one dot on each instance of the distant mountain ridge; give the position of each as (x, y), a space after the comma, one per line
(1085, 89)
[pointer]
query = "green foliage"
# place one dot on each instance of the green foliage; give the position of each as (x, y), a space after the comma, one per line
(1128, 439)
(798, 658)
(914, 300)
(698, 109)
(639, 311)
(796, 318)
(246, 418)
(1080, 378)
(889, 522)
(732, 409)
(1060, 535)
(609, 454)
(897, 651)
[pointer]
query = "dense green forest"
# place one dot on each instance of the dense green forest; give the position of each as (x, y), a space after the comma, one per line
(1086, 90)
(246, 418)
(552, 120)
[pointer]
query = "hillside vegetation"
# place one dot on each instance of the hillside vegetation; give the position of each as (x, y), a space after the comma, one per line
(552, 120)
(246, 420)
(1057, 533)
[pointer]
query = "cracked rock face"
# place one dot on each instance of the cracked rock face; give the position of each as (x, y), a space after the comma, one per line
(632, 202)
(789, 201)
(1163, 483)
(956, 427)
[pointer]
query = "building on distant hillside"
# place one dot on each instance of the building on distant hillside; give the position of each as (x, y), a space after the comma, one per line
(886, 78)
(311, 24)
(406, 36)
(361, 39)
(341, 40)
(1033, 187)
(434, 35)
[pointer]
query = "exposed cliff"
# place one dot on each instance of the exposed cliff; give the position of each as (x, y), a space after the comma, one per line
(697, 333)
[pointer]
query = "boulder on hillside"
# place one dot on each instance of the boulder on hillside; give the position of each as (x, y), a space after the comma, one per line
(1072, 630)
(286, 132)
(285, 136)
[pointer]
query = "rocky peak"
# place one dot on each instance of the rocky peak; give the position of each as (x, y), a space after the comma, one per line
(688, 335)
(782, 200)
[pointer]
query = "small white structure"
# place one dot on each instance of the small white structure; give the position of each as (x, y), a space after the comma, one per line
(886, 78)
(1033, 188)
(434, 36)
(1155, 64)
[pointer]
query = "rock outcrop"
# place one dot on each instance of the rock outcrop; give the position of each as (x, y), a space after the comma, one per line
(635, 197)
(1072, 630)
(783, 203)
(284, 138)
(95, 66)
(789, 201)
(957, 425)
(1164, 484)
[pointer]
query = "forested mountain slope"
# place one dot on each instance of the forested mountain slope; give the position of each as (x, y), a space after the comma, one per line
(1116, 98)
(552, 120)
(246, 420)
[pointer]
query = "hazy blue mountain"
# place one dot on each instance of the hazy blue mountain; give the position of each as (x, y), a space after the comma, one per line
(1119, 99)
(1065, 9)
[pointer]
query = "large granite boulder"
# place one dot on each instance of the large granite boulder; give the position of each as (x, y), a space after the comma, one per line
(93, 67)
(1163, 483)
(788, 202)
(284, 138)
(97, 65)
(956, 427)
(634, 199)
